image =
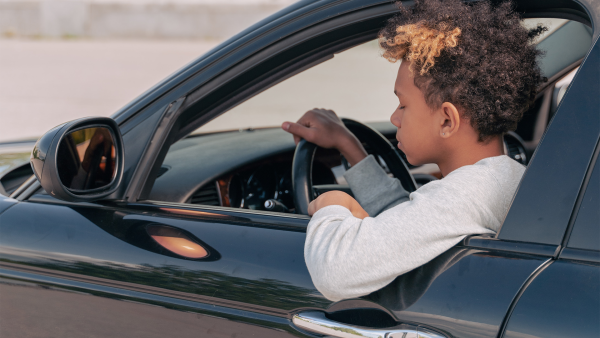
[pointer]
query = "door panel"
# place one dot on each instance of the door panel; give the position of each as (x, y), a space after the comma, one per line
(259, 277)
(563, 301)
(40, 310)
(465, 292)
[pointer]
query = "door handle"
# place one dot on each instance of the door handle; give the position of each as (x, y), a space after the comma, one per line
(316, 322)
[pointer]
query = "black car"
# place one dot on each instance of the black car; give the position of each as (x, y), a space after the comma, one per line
(178, 230)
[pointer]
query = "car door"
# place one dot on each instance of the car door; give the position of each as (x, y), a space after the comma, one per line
(93, 270)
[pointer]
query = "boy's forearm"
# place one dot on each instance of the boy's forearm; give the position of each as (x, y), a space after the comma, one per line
(373, 188)
(337, 198)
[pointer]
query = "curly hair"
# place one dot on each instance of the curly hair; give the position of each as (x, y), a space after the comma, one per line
(476, 56)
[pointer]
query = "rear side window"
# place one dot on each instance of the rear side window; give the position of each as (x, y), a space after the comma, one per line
(586, 231)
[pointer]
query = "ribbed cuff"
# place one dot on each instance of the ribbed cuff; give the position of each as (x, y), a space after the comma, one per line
(373, 188)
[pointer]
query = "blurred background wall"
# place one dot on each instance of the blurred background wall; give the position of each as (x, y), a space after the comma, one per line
(132, 19)
(65, 59)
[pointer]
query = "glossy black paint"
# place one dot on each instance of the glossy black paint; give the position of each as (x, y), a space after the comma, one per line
(136, 141)
(581, 255)
(261, 267)
(256, 264)
(40, 150)
(491, 243)
(33, 305)
(6, 203)
(563, 301)
(586, 228)
(464, 292)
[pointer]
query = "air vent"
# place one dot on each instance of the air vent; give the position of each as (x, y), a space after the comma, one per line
(207, 195)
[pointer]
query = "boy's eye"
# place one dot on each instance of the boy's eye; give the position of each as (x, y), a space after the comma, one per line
(401, 107)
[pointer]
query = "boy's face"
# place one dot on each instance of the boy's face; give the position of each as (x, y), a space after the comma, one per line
(418, 127)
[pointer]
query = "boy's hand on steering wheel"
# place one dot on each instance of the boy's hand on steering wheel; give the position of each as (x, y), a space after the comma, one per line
(325, 129)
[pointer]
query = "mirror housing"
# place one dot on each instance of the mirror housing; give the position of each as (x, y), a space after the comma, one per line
(45, 159)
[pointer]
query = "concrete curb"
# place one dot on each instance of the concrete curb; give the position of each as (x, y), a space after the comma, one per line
(133, 19)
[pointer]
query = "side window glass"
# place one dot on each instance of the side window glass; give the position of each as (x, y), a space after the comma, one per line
(586, 231)
(333, 84)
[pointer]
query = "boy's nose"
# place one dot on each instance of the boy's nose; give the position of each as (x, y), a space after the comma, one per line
(395, 119)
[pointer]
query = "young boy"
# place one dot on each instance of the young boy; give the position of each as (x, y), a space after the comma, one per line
(468, 73)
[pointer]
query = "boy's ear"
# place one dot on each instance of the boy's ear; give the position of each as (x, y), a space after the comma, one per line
(450, 120)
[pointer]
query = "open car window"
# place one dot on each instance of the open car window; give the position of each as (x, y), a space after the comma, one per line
(242, 158)
(356, 83)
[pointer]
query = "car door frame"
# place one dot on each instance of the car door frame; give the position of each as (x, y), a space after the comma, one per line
(566, 281)
(221, 66)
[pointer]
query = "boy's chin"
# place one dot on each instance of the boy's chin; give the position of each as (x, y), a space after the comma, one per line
(411, 160)
(413, 163)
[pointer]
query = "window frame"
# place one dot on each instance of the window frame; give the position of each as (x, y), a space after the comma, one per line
(170, 127)
(331, 37)
(581, 200)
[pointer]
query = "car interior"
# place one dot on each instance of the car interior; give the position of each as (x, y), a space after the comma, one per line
(242, 159)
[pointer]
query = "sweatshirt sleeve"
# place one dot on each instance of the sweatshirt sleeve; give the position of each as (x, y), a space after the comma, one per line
(348, 257)
(374, 190)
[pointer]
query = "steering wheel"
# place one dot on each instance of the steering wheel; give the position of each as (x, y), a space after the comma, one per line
(305, 153)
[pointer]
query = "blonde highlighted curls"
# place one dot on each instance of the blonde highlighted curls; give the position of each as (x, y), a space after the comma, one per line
(419, 44)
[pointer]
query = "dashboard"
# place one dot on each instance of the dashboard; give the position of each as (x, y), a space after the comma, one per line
(270, 179)
(244, 169)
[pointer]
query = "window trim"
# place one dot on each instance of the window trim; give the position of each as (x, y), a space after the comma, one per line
(580, 197)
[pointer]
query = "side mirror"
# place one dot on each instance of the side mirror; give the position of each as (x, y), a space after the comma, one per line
(81, 160)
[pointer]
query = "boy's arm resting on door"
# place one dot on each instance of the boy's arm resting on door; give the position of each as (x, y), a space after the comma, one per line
(349, 257)
(374, 190)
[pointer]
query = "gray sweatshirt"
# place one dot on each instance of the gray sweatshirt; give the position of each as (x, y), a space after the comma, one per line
(348, 257)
